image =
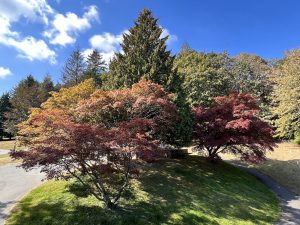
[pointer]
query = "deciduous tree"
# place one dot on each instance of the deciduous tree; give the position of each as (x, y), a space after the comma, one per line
(252, 74)
(205, 75)
(286, 96)
(232, 125)
(102, 140)
(65, 98)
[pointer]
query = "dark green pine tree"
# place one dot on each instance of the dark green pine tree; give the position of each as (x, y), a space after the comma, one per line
(5, 107)
(144, 56)
(46, 86)
(95, 67)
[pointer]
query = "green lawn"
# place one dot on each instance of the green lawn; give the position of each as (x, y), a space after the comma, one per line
(182, 191)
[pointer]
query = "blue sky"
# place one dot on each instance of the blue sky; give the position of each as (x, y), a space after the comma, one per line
(36, 36)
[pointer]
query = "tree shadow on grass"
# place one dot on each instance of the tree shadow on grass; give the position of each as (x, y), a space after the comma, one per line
(4, 210)
(183, 191)
(208, 191)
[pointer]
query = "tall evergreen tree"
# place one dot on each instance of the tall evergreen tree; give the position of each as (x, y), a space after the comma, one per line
(73, 71)
(144, 56)
(5, 107)
(95, 67)
(46, 86)
(25, 96)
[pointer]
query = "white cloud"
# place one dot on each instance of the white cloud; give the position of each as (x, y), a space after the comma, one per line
(106, 56)
(172, 37)
(13, 10)
(32, 49)
(28, 47)
(64, 28)
(107, 44)
(4, 72)
(5, 28)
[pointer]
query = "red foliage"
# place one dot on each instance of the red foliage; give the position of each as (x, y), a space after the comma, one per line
(103, 141)
(144, 100)
(232, 125)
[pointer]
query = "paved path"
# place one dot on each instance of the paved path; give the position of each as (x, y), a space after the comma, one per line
(289, 200)
(14, 184)
(4, 152)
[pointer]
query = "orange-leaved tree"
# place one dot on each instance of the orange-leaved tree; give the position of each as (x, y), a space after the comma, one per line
(102, 141)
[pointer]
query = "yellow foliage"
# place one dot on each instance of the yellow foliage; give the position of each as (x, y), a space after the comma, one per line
(68, 97)
(287, 95)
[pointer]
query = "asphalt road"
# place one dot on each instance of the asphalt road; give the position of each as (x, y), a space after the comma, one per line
(4, 152)
(14, 184)
(290, 201)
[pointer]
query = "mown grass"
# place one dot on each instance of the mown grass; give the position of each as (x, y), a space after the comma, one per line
(5, 159)
(283, 164)
(7, 145)
(182, 191)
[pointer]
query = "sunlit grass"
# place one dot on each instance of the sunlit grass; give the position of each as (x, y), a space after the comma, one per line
(183, 191)
(283, 165)
(7, 145)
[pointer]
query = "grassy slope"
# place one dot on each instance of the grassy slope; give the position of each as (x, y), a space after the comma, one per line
(187, 191)
(283, 165)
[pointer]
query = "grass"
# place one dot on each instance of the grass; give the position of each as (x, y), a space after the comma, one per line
(5, 159)
(7, 145)
(182, 191)
(283, 165)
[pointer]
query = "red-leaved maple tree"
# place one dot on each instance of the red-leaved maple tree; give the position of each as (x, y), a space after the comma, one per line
(102, 141)
(232, 125)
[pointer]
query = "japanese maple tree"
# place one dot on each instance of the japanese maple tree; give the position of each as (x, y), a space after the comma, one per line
(232, 125)
(102, 141)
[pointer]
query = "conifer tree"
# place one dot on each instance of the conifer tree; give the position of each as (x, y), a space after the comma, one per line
(144, 56)
(5, 107)
(25, 96)
(46, 86)
(95, 67)
(73, 71)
